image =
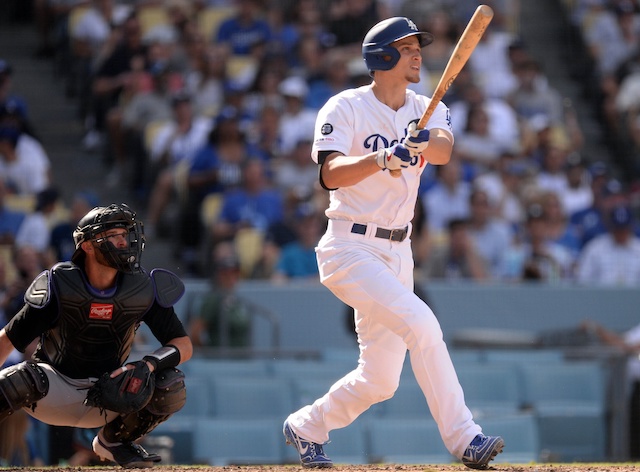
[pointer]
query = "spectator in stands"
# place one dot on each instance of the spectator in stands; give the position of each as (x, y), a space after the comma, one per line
(27, 264)
(475, 146)
(578, 195)
(296, 121)
(10, 219)
(504, 186)
(458, 258)
(216, 169)
(297, 259)
(533, 256)
(245, 30)
(349, 20)
(448, 198)
(223, 319)
(552, 176)
(533, 95)
(35, 230)
(256, 205)
(490, 63)
(607, 193)
(442, 26)
(91, 29)
(8, 99)
(113, 75)
(503, 121)
(24, 164)
(489, 234)
(206, 81)
(61, 240)
(295, 174)
(335, 78)
(172, 151)
(129, 122)
(559, 229)
(613, 258)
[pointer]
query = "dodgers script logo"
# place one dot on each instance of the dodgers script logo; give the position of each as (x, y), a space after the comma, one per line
(377, 141)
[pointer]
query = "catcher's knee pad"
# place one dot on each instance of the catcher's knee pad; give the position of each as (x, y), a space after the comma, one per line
(170, 394)
(21, 385)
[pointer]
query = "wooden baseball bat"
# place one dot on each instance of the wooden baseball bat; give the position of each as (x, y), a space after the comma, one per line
(466, 44)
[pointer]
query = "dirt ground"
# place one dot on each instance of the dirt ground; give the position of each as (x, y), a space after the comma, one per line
(364, 468)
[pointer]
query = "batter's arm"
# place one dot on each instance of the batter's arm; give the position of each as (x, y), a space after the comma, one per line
(339, 171)
(440, 147)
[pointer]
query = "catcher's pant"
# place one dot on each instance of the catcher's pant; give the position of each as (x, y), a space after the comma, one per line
(375, 277)
(63, 405)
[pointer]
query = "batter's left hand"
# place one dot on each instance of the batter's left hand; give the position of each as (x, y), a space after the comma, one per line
(416, 140)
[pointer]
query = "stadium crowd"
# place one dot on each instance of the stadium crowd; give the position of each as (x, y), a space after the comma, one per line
(204, 112)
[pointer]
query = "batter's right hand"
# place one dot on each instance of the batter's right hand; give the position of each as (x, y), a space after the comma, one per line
(394, 158)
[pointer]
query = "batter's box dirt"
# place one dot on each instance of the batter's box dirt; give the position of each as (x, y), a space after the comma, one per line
(358, 468)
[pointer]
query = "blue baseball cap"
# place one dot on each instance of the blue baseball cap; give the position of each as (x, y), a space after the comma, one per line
(621, 217)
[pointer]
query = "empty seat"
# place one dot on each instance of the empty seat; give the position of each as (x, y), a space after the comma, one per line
(212, 368)
(198, 398)
(569, 401)
(222, 442)
(520, 434)
(491, 389)
(248, 397)
(407, 441)
(407, 402)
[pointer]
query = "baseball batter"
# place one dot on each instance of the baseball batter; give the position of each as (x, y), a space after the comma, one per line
(365, 256)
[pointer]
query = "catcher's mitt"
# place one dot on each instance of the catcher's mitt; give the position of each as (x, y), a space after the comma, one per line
(126, 393)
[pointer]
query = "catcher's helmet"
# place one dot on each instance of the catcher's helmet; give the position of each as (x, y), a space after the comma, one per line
(101, 219)
(376, 49)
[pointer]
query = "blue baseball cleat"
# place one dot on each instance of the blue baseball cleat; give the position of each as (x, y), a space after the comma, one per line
(311, 454)
(481, 451)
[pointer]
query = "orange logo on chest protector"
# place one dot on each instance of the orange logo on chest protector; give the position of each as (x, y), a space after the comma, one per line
(101, 311)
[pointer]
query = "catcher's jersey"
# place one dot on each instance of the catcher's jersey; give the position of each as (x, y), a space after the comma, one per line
(85, 332)
(354, 122)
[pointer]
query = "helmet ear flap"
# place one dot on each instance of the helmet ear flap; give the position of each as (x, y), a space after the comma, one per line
(383, 57)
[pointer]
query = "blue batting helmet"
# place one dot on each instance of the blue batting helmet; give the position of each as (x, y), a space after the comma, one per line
(376, 49)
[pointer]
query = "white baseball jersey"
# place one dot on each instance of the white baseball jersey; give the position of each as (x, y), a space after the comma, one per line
(355, 123)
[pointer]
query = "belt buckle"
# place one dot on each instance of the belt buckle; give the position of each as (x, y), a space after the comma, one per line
(399, 232)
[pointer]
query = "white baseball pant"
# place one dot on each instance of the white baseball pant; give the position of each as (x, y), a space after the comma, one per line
(375, 277)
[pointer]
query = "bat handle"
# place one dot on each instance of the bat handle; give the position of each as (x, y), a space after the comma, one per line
(395, 173)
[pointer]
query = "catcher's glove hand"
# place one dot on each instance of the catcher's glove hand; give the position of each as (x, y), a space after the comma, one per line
(125, 393)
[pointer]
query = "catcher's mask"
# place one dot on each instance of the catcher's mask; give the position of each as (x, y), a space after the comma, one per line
(92, 226)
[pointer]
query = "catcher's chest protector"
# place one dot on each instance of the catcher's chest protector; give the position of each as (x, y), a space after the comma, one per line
(94, 333)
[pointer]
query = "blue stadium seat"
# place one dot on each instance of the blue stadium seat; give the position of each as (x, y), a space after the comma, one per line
(407, 402)
(221, 442)
(198, 398)
(407, 441)
(569, 400)
(247, 397)
(520, 434)
(491, 388)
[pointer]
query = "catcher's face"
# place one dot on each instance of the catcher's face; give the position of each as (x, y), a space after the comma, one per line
(107, 245)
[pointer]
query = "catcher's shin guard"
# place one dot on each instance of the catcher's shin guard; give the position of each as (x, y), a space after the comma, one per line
(21, 385)
(169, 397)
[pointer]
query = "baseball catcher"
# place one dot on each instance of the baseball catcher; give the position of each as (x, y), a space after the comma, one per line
(85, 314)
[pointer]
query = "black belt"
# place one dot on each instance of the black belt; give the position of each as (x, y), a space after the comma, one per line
(390, 234)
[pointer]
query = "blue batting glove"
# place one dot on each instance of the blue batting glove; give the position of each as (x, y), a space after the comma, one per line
(416, 140)
(394, 158)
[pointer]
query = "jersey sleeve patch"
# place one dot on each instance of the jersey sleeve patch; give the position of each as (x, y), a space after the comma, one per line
(39, 292)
